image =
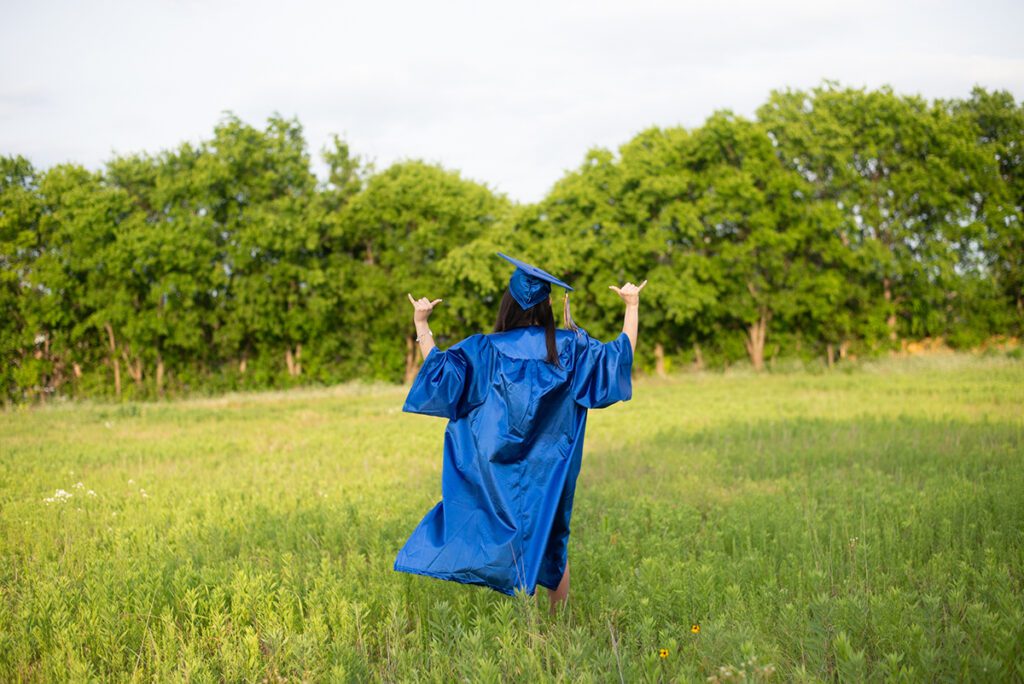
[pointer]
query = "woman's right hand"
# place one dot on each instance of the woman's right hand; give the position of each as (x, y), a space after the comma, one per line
(423, 307)
(629, 292)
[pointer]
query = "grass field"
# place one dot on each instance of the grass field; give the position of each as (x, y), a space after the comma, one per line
(861, 525)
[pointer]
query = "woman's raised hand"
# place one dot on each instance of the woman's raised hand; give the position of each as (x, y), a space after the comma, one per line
(629, 292)
(423, 307)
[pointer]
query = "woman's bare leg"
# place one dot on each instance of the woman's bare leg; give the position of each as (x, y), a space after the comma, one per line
(561, 594)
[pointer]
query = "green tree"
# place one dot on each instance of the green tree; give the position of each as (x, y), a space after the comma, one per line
(771, 251)
(622, 219)
(69, 278)
(658, 199)
(20, 211)
(159, 308)
(272, 263)
(397, 232)
(894, 166)
(993, 300)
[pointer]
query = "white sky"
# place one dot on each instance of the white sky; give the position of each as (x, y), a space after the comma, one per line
(511, 94)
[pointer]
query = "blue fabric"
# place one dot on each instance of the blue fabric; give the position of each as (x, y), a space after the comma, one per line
(527, 290)
(529, 284)
(512, 452)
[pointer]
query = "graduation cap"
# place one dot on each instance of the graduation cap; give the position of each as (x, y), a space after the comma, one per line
(530, 285)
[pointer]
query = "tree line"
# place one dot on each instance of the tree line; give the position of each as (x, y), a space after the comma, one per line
(837, 221)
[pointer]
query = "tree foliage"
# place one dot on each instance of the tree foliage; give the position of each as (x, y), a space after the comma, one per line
(836, 221)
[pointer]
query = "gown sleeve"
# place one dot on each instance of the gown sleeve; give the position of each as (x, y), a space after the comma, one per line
(603, 373)
(452, 382)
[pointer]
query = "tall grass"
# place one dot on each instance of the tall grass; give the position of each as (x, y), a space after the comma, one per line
(860, 525)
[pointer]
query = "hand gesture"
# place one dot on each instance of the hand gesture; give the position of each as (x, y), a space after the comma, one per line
(423, 307)
(629, 292)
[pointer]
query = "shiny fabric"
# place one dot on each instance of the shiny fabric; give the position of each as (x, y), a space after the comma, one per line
(513, 448)
(527, 290)
(529, 285)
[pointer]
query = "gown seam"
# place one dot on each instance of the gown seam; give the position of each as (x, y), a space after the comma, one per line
(498, 351)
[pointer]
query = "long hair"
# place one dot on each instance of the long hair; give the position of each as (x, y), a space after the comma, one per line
(511, 315)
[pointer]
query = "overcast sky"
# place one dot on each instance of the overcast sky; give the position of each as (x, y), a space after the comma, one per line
(511, 94)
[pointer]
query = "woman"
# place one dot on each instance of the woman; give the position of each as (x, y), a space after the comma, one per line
(516, 401)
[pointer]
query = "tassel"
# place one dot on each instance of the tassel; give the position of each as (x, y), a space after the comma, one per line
(569, 323)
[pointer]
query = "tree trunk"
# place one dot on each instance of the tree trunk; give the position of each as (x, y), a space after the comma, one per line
(843, 349)
(410, 359)
(891, 319)
(160, 375)
(243, 363)
(134, 368)
(659, 359)
(830, 354)
(698, 357)
(756, 334)
(293, 360)
(57, 376)
(114, 360)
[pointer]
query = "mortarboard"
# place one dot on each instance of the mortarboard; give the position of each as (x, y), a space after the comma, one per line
(530, 286)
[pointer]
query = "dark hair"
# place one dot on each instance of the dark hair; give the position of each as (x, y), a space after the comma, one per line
(511, 315)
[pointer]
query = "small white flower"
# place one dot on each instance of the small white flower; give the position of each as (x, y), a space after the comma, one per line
(143, 492)
(91, 493)
(107, 424)
(59, 496)
(131, 481)
(79, 485)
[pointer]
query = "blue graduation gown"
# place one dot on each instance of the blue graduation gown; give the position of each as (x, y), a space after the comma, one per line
(512, 452)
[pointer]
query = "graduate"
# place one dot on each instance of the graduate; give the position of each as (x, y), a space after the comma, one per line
(516, 401)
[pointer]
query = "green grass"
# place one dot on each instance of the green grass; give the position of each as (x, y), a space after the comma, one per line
(860, 525)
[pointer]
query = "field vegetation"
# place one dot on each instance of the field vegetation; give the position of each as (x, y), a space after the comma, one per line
(864, 524)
